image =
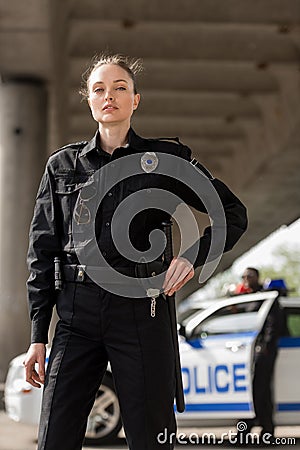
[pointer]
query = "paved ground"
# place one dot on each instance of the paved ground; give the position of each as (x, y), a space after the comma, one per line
(15, 436)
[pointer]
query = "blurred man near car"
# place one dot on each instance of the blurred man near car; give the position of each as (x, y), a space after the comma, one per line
(250, 282)
(264, 359)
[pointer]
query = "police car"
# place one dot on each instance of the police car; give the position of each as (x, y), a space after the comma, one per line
(216, 346)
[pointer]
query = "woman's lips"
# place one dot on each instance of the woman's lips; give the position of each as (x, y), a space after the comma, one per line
(109, 108)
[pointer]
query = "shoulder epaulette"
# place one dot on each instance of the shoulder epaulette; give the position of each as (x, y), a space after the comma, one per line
(202, 169)
(72, 145)
(171, 139)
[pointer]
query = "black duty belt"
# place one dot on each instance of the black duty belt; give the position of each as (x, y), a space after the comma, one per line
(77, 273)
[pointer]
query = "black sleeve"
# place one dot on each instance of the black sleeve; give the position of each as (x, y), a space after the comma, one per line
(235, 212)
(43, 247)
(272, 327)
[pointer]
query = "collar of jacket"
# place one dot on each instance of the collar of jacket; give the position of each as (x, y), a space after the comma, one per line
(136, 142)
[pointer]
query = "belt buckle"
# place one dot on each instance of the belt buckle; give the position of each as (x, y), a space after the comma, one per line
(152, 292)
(80, 276)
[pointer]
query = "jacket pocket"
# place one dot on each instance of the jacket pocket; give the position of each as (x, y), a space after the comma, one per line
(65, 186)
(75, 198)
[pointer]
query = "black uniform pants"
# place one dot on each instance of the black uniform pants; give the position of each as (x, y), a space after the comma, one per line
(262, 393)
(96, 327)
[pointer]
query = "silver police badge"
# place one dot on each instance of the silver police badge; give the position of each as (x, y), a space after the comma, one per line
(149, 162)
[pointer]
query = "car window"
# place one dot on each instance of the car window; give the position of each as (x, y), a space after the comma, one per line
(292, 321)
(182, 316)
(232, 319)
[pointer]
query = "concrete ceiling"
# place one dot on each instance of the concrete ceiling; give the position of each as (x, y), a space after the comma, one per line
(224, 76)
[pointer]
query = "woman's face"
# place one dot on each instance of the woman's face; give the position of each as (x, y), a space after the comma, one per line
(111, 95)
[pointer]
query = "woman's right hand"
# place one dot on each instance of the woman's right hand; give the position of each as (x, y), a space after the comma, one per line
(36, 354)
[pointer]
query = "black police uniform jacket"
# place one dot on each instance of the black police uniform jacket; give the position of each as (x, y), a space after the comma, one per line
(63, 197)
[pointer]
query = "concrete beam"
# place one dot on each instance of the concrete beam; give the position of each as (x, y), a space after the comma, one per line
(281, 111)
(272, 194)
(29, 15)
(201, 127)
(25, 39)
(272, 198)
(183, 75)
(256, 11)
(157, 125)
(169, 40)
(25, 53)
(191, 104)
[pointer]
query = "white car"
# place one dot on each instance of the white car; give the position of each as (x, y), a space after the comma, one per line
(216, 356)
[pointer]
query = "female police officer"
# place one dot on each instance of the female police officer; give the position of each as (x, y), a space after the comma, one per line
(97, 323)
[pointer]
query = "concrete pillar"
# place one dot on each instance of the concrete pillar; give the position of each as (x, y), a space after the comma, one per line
(23, 137)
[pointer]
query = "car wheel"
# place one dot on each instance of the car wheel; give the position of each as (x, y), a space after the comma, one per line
(104, 421)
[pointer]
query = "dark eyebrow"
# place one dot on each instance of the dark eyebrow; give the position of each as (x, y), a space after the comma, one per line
(115, 81)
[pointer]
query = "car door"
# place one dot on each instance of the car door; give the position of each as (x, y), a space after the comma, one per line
(287, 368)
(216, 356)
